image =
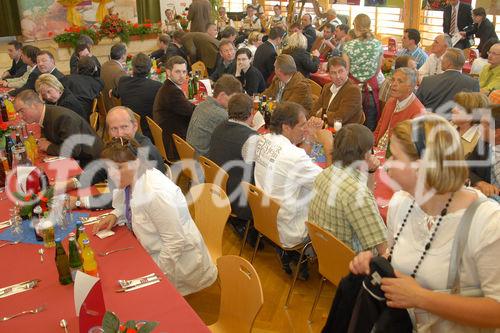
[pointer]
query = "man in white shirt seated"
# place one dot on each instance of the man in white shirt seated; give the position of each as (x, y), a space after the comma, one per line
(251, 22)
(432, 65)
(286, 173)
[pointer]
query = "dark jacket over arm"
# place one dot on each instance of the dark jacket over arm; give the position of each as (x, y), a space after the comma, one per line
(17, 69)
(305, 62)
(264, 58)
(252, 81)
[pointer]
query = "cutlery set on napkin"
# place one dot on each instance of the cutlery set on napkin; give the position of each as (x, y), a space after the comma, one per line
(5, 224)
(18, 288)
(140, 282)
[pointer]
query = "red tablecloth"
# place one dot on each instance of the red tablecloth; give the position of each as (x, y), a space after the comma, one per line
(160, 302)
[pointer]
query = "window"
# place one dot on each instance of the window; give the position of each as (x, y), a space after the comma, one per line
(235, 5)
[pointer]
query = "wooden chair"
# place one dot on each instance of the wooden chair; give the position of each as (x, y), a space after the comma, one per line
(93, 119)
(200, 67)
(101, 107)
(210, 210)
(157, 134)
(138, 120)
(116, 101)
(94, 106)
(265, 213)
(315, 88)
(214, 174)
(187, 155)
(333, 258)
(241, 295)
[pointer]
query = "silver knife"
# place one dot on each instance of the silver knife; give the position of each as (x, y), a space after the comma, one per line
(26, 285)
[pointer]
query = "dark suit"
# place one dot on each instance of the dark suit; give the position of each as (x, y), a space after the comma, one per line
(69, 101)
(111, 72)
(296, 90)
(73, 64)
(61, 125)
(305, 62)
(225, 146)
(264, 58)
(221, 69)
(310, 34)
(35, 73)
(17, 69)
(464, 19)
(482, 152)
(438, 89)
(172, 112)
(484, 31)
(138, 93)
(85, 88)
(174, 50)
(252, 81)
(346, 104)
(158, 54)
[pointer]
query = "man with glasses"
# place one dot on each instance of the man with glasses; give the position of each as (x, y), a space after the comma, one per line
(489, 78)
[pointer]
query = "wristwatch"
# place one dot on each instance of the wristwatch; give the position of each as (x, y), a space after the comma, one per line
(78, 203)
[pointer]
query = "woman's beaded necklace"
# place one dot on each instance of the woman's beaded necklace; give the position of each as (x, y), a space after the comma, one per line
(428, 245)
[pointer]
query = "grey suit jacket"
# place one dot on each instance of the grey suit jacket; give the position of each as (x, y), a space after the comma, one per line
(436, 90)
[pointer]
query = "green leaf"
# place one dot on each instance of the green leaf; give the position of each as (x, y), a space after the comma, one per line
(148, 327)
(110, 322)
(130, 324)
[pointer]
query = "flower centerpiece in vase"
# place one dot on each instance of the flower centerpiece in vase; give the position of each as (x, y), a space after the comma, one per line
(113, 26)
(33, 192)
(111, 324)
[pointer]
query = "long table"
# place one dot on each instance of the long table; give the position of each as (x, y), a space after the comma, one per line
(160, 302)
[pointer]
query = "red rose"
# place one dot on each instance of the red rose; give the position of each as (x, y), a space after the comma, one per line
(27, 197)
(131, 330)
(4, 126)
(148, 25)
(136, 25)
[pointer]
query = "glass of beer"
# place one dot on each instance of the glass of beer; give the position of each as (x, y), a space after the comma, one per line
(48, 233)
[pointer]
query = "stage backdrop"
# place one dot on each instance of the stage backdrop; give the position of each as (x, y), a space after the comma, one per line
(39, 17)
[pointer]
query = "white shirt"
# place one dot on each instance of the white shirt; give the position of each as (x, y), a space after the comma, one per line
(470, 133)
(431, 66)
(477, 65)
(162, 224)
(286, 173)
(334, 89)
(403, 104)
(477, 268)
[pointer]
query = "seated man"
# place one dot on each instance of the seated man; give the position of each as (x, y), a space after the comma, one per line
(171, 109)
(212, 29)
(344, 204)
(120, 123)
(340, 99)
(64, 132)
(384, 92)
(18, 68)
(28, 56)
(325, 44)
(230, 144)
(436, 90)
(112, 70)
(175, 48)
(265, 55)
(308, 30)
(432, 65)
(83, 48)
(339, 39)
(410, 41)
(286, 173)
(138, 92)
(489, 78)
(226, 62)
(251, 22)
(402, 105)
(210, 113)
(163, 44)
(229, 33)
(45, 63)
(288, 85)
(486, 178)
(199, 46)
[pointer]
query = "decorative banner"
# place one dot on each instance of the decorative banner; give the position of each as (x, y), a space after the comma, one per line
(385, 3)
(72, 16)
(439, 4)
(39, 17)
(102, 10)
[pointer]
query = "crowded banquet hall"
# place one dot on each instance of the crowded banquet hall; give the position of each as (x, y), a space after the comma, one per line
(250, 166)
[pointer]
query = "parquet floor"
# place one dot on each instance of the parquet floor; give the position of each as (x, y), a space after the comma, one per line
(273, 317)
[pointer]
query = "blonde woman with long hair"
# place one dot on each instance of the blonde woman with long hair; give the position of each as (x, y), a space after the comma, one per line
(306, 62)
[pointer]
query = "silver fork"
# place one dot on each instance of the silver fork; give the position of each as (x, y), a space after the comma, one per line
(113, 251)
(32, 311)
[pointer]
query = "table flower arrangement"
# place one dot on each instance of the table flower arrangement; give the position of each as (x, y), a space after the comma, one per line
(113, 26)
(34, 202)
(111, 324)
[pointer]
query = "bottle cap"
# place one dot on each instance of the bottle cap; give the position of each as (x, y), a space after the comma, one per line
(71, 234)
(86, 242)
(81, 228)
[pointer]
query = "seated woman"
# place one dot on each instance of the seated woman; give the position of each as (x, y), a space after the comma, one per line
(466, 121)
(402, 105)
(250, 77)
(421, 231)
(253, 42)
(155, 210)
(53, 92)
(86, 83)
(305, 62)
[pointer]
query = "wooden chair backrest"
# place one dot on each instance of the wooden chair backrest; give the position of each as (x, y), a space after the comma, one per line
(315, 88)
(264, 212)
(333, 255)
(214, 174)
(211, 208)
(187, 155)
(241, 294)
(93, 119)
(157, 134)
